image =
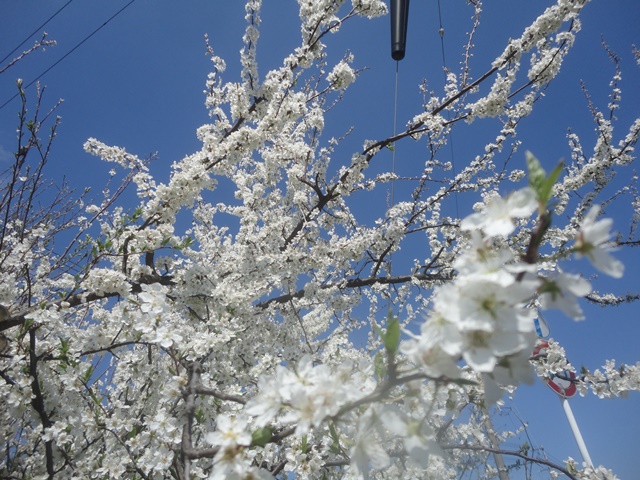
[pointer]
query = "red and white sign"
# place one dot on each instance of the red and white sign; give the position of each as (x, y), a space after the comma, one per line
(563, 383)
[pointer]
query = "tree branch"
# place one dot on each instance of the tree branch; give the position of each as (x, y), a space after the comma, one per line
(86, 298)
(541, 461)
(358, 283)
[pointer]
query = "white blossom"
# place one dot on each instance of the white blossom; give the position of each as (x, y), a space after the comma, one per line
(593, 242)
(341, 76)
(230, 432)
(561, 292)
(499, 214)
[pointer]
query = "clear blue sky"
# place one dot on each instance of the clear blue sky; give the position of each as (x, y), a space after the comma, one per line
(138, 84)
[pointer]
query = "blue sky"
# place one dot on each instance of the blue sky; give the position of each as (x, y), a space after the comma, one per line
(138, 84)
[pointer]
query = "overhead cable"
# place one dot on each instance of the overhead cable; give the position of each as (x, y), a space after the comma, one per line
(69, 52)
(36, 31)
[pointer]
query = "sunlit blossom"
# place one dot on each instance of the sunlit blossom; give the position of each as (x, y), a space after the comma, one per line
(499, 214)
(230, 431)
(593, 241)
(562, 292)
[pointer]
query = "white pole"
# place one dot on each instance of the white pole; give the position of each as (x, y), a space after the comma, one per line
(576, 432)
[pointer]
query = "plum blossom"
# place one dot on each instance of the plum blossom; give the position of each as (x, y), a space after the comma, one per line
(273, 392)
(593, 242)
(496, 263)
(370, 8)
(231, 431)
(310, 394)
(238, 467)
(499, 214)
(510, 371)
(484, 316)
(561, 292)
(433, 349)
(153, 300)
(165, 425)
(166, 336)
(367, 451)
(418, 437)
(342, 75)
(494, 321)
(481, 317)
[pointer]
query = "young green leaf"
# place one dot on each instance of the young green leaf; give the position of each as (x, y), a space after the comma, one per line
(540, 182)
(537, 174)
(392, 337)
(261, 436)
(335, 440)
(379, 367)
(546, 189)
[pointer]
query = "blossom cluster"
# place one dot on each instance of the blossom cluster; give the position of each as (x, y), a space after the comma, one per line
(485, 317)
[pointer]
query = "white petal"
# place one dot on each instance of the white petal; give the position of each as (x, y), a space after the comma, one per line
(480, 359)
(522, 203)
(604, 261)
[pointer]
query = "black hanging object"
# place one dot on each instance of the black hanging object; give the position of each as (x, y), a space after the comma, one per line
(399, 18)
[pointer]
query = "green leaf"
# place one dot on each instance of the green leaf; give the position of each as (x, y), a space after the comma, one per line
(539, 181)
(87, 374)
(261, 436)
(187, 242)
(28, 323)
(199, 415)
(544, 195)
(379, 367)
(335, 444)
(392, 337)
(64, 346)
(537, 174)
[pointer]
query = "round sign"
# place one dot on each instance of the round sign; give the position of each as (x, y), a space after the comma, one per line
(562, 383)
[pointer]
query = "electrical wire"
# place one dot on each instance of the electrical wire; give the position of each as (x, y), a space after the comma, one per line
(393, 166)
(450, 134)
(69, 52)
(395, 132)
(36, 31)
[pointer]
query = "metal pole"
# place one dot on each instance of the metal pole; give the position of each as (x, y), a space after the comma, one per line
(399, 19)
(576, 431)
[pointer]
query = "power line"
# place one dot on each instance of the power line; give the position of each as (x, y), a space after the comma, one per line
(393, 169)
(69, 52)
(36, 31)
(450, 135)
